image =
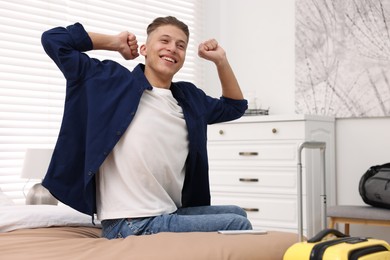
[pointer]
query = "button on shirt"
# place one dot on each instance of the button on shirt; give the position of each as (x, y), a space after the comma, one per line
(102, 98)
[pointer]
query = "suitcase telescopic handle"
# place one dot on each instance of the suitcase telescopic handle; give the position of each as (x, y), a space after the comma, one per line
(310, 145)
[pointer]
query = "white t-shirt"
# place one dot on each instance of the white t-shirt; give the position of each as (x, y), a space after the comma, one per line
(144, 174)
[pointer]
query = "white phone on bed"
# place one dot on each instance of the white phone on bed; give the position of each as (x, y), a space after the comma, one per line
(237, 232)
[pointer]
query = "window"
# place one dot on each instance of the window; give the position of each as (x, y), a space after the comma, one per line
(32, 88)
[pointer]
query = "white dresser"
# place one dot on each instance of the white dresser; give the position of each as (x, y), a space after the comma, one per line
(253, 164)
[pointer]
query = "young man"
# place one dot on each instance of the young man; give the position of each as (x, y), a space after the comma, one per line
(132, 145)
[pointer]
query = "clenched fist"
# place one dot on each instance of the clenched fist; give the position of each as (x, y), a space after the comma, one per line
(210, 50)
(129, 45)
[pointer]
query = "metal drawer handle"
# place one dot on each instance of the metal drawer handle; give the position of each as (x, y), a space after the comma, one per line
(249, 180)
(248, 153)
(274, 130)
(251, 209)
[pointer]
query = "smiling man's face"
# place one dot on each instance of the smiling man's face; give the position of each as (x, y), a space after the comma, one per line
(164, 52)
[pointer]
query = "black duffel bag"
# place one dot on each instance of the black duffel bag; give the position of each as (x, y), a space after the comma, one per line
(374, 186)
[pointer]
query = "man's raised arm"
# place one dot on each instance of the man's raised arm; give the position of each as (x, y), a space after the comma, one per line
(125, 43)
(210, 50)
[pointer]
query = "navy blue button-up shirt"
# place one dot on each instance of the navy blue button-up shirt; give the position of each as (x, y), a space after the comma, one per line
(101, 100)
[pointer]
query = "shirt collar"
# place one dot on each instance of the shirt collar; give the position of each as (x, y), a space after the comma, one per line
(139, 74)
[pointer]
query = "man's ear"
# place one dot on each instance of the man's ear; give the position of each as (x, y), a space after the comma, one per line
(142, 50)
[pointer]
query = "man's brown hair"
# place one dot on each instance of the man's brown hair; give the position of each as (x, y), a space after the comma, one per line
(168, 20)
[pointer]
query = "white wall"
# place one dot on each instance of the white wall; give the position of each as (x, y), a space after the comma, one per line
(258, 36)
(360, 143)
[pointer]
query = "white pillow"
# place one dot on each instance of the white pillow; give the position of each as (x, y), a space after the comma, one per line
(4, 200)
(38, 216)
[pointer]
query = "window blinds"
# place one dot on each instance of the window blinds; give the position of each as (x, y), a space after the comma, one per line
(32, 88)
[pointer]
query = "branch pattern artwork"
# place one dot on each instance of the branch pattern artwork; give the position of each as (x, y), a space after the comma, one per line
(343, 58)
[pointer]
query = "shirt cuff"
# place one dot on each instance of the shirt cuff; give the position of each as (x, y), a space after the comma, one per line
(80, 37)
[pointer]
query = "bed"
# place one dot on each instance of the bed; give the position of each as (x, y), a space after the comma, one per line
(58, 232)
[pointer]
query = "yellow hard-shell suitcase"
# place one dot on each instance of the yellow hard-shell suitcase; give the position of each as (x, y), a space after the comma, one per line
(340, 247)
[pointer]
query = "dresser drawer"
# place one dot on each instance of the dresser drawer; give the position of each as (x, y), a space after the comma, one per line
(256, 131)
(252, 151)
(265, 180)
(271, 211)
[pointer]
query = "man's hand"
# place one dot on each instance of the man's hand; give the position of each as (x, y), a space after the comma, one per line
(125, 43)
(128, 47)
(210, 50)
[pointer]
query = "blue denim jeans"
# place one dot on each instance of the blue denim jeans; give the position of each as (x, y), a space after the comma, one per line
(191, 219)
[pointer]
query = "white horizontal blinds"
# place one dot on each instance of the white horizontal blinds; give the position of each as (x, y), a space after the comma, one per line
(31, 86)
(30, 100)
